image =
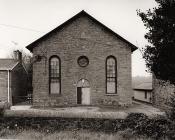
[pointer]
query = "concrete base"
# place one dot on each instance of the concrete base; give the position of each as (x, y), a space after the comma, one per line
(20, 107)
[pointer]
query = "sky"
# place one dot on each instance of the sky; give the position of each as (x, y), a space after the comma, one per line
(24, 21)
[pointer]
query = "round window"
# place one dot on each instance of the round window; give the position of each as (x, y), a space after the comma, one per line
(83, 61)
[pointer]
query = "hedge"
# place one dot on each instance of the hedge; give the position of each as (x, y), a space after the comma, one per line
(139, 123)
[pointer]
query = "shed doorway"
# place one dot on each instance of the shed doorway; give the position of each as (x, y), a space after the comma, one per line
(83, 92)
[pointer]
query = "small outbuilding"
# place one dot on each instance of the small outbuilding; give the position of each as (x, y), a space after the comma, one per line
(13, 80)
(143, 92)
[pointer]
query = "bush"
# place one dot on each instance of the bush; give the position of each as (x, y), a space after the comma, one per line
(3, 106)
(126, 134)
(157, 127)
(171, 112)
(171, 130)
(1, 112)
(134, 120)
(136, 124)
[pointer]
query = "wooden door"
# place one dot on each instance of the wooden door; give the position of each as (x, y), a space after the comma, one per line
(83, 92)
(86, 96)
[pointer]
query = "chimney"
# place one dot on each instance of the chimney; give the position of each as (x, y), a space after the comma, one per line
(17, 56)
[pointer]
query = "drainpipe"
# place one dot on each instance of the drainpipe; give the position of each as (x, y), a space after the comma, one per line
(8, 84)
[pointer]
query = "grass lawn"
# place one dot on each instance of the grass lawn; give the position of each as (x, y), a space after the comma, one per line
(84, 111)
(83, 123)
(68, 135)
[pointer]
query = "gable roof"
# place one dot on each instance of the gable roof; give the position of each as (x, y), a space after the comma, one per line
(7, 64)
(31, 46)
(144, 86)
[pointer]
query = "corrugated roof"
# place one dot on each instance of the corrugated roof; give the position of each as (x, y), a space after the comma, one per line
(144, 86)
(7, 64)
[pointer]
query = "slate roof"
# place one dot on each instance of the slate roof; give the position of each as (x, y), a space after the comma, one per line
(7, 64)
(31, 46)
(144, 86)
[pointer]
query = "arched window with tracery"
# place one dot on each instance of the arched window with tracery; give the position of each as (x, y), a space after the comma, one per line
(54, 75)
(111, 75)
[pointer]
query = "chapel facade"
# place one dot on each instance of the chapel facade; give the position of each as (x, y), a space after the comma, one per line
(82, 62)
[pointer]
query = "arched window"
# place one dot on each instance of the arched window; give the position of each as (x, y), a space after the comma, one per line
(111, 75)
(54, 75)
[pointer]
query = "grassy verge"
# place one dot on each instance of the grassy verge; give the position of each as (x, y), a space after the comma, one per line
(69, 135)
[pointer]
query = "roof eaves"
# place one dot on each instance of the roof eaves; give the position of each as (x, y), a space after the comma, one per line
(14, 66)
(24, 68)
(4, 69)
(142, 89)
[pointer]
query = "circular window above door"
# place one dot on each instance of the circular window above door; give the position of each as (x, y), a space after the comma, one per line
(83, 61)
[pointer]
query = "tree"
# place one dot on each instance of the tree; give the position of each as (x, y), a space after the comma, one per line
(160, 53)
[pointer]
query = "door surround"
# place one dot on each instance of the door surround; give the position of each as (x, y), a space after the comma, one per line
(83, 92)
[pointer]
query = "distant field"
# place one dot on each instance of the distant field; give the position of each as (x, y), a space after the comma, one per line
(68, 135)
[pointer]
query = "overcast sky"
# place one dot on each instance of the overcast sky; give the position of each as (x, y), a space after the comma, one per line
(23, 21)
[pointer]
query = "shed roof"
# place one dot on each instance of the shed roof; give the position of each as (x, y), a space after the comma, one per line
(144, 86)
(7, 64)
(32, 45)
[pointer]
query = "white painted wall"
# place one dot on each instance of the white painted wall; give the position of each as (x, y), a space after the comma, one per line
(140, 95)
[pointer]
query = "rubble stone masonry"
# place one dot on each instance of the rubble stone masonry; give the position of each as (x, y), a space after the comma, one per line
(82, 37)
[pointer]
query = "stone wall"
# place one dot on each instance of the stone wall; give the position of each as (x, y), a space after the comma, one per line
(82, 37)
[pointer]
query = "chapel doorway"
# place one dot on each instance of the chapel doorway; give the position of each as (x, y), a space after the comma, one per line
(83, 92)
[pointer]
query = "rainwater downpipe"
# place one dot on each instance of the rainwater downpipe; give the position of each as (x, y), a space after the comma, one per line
(8, 86)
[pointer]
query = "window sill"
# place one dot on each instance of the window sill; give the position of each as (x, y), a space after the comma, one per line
(55, 95)
(111, 94)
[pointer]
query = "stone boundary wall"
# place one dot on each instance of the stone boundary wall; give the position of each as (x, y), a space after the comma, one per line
(50, 113)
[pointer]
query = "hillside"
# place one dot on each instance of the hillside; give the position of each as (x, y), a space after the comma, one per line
(141, 79)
